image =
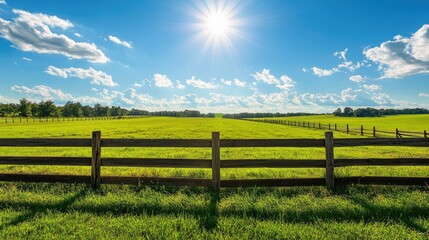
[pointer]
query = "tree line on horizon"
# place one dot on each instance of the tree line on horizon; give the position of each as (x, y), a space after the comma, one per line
(26, 108)
(373, 112)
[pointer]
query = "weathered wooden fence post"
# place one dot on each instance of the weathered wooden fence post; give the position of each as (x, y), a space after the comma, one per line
(397, 133)
(347, 129)
(425, 134)
(335, 127)
(96, 159)
(216, 161)
(373, 132)
(361, 130)
(329, 150)
(329, 126)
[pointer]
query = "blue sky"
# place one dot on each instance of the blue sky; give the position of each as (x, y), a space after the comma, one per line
(217, 56)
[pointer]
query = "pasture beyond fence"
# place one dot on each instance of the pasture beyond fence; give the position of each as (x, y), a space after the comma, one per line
(373, 132)
(96, 161)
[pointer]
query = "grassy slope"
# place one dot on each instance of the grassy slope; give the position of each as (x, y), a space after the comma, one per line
(62, 211)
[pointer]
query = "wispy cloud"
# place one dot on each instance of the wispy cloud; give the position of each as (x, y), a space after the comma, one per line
(97, 77)
(32, 33)
(26, 59)
(284, 82)
(2, 1)
(199, 83)
(424, 95)
(120, 42)
(357, 78)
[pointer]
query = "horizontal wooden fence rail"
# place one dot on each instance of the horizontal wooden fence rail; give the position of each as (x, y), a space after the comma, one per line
(96, 161)
(373, 132)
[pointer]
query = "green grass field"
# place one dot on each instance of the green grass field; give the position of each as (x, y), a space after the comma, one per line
(58, 211)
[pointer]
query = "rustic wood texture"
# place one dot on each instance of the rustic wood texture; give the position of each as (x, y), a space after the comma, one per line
(96, 159)
(157, 162)
(382, 162)
(272, 143)
(216, 161)
(274, 182)
(329, 152)
(44, 178)
(45, 142)
(192, 182)
(156, 143)
(272, 163)
(53, 161)
(353, 142)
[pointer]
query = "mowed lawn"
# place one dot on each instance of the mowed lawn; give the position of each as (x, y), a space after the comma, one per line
(58, 211)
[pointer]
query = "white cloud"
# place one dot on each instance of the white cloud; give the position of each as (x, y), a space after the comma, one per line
(226, 82)
(265, 77)
(284, 82)
(180, 85)
(239, 83)
(372, 87)
(403, 56)
(26, 59)
(305, 70)
(423, 95)
(2, 1)
(97, 77)
(137, 85)
(32, 33)
(119, 41)
(162, 81)
(45, 92)
(78, 35)
(357, 78)
(321, 72)
(199, 83)
(344, 66)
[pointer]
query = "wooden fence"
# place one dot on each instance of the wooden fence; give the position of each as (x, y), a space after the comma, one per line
(96, 161)
(59, 119)
(373, 132)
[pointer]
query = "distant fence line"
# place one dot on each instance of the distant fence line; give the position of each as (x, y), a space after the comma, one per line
(59, 119)
(373, 132)
(96, 161)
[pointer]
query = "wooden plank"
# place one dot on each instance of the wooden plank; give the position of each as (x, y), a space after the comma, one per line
(96, 159)
(156, 162)
(58, 161)
(272, 143)
(216, 161)
(45, 178)
(353, 142)
(192, 182)
(382, 162)
(274, 182)
(110, 142)
(45, 142)
(329, 152)
(272, 163)
(421, 181)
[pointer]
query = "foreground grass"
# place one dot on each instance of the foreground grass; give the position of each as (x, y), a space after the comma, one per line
(59, 211)
(42, 211)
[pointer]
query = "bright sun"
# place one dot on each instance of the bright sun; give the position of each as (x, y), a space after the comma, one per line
(217, 25)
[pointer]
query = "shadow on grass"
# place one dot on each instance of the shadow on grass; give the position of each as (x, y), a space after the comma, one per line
(360, 205)
(35, 210)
